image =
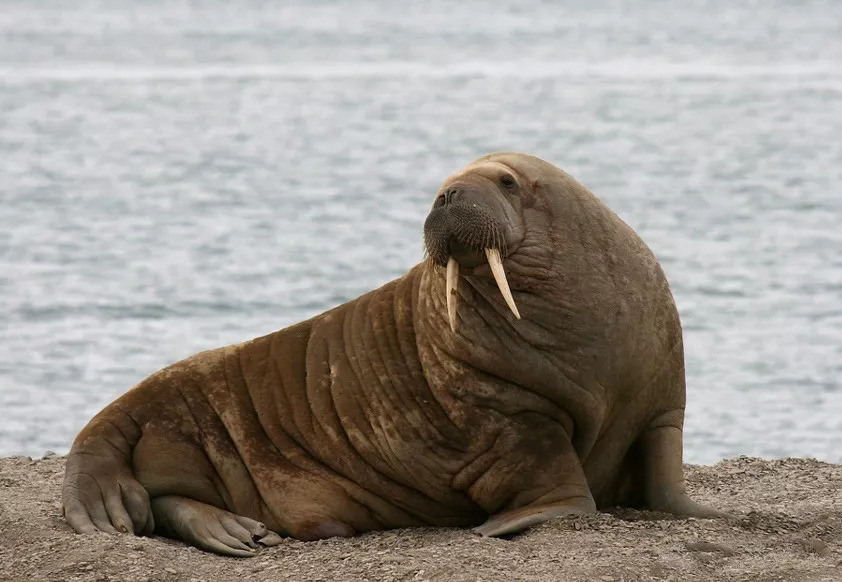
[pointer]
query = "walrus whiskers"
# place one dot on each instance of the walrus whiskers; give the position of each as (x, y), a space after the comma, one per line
(452, 291)
(496, 264)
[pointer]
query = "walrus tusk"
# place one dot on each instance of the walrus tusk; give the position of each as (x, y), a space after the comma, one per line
(452, 288)
(496, 264)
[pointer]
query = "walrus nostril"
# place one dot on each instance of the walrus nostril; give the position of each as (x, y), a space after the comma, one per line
(451, 195)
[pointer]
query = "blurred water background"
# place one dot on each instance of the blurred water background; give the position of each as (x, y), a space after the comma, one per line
(175, 176)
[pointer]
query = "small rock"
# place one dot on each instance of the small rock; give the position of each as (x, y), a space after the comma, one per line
(709, 547)
(658, 571)
(816, 546)
(607, 579)
(169, 571)
(49, 455)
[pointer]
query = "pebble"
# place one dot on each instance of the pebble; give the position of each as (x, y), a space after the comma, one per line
(817, 546)
(710, 547)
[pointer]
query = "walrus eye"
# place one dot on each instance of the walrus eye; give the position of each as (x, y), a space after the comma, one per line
(508, 181)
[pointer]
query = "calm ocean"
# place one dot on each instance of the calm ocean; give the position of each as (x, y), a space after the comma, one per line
(175, 176)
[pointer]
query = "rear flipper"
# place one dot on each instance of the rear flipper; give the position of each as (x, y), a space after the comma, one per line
(100, 492)
(663, 471)
(210, 528)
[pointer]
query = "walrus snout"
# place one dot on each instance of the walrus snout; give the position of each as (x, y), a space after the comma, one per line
(461, 230)
(467, 218)
(469, 226)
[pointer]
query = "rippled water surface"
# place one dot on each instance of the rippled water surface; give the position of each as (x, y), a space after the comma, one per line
(177, 176)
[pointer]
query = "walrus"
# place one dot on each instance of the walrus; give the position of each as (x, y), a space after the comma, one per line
(530, 367)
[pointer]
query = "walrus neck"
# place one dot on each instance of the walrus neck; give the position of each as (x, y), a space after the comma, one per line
(486, 333)
(529, 352)
(483, 316)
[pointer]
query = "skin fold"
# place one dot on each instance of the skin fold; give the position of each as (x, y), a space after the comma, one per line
(387, 411)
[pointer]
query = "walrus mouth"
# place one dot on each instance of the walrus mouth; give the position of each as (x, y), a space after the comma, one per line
(466, 233)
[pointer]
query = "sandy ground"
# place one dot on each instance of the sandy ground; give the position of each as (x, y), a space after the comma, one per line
(787, 526)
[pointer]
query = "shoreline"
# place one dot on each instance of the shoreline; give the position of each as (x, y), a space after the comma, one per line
(786, 525)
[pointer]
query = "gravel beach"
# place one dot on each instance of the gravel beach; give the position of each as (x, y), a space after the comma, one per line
(787, 525)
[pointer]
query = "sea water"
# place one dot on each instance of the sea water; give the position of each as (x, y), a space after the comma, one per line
(176, 176)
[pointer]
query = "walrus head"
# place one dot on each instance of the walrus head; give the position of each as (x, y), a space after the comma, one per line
(476, 220)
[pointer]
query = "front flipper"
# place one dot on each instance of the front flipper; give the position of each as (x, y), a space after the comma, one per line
(530, 475)
(210, 528)
(517, 519)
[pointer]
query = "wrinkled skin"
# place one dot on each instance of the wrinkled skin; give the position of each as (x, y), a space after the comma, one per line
(376, 414)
